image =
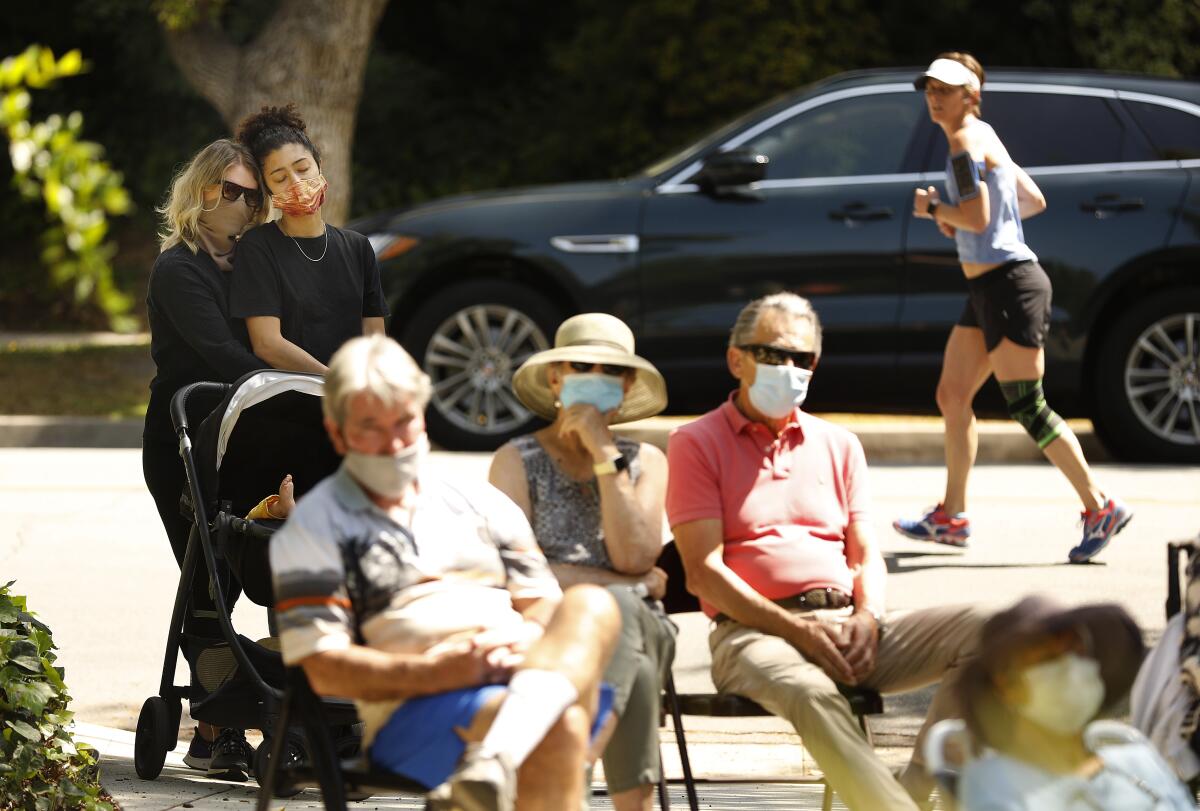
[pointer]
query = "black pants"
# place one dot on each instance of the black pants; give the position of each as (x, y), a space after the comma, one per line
(166, 479)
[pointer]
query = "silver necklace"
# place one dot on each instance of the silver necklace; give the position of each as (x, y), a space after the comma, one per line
(306, 256)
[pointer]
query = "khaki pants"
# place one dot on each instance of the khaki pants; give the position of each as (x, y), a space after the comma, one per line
(918, 648)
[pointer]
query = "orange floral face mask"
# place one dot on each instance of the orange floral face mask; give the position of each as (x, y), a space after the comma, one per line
(303, 197)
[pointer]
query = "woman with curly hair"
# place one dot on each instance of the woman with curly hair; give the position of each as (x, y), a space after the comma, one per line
(213, 199)
(304, 287)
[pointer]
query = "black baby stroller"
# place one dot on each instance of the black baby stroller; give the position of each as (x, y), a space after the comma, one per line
(263, 427)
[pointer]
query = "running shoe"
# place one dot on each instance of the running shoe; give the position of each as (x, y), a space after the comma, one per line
(200, 751)
(232, 755)
(938, 526)
(1099, 526)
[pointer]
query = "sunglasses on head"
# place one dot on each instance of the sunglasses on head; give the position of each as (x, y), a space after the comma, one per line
(232, 191)
(777, 356)
(607, 368)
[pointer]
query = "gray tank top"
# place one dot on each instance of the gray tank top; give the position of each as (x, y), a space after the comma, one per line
(566, 513)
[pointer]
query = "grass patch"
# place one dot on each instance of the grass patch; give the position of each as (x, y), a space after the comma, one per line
(65, 380)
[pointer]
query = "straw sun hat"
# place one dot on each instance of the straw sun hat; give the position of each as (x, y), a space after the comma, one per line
(592, 338)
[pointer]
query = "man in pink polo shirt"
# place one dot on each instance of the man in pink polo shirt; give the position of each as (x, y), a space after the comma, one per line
(769, 506)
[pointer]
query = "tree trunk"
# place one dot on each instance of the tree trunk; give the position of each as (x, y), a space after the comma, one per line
(313, 54)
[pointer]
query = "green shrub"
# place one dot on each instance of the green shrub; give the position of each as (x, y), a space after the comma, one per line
(41, 767)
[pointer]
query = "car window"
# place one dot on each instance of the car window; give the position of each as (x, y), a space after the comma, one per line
(865, 135)
(1174, 133)
(1054, 129)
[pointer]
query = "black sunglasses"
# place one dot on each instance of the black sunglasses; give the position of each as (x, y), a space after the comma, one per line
(232, 191)
(607, 368)
(777, 356)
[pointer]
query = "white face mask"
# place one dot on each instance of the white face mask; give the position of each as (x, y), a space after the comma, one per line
(1063, 693)
(777, 390)
(388, 475)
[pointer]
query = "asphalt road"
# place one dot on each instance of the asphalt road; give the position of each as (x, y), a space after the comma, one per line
(79, 534)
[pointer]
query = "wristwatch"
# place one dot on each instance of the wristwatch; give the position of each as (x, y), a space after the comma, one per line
(931, 209)
(611, 466)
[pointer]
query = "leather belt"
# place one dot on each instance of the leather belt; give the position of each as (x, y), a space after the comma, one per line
(810, 600)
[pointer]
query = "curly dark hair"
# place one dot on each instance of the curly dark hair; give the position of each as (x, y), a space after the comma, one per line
(272, 127)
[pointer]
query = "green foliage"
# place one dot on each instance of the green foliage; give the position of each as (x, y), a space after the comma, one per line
(79, 190)
(41, 767)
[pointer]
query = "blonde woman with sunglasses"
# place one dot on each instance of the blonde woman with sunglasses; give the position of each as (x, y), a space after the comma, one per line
(212, 200)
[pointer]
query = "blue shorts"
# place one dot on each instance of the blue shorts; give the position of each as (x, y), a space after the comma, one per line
(419, 741)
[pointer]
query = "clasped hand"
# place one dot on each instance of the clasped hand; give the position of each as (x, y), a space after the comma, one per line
(845, 650)
(488, 657)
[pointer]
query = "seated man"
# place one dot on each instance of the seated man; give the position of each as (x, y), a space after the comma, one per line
(769, 509)
(429, 604)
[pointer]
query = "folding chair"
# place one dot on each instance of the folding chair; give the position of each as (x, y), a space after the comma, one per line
(678, 600)
(338, 779)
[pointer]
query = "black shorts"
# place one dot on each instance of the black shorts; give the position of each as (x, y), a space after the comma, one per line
(1010, 301)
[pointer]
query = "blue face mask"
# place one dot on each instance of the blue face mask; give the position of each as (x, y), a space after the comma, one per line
(605, 392)
(777, 390)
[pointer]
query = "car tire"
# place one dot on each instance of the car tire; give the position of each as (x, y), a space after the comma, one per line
(1147, 380)
(470, 339)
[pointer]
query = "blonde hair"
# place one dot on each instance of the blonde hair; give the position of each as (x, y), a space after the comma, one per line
(180, 212)
(375, 364)
(972, 64)
(789, 304)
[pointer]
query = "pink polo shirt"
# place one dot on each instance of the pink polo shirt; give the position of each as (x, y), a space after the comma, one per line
(785, 502)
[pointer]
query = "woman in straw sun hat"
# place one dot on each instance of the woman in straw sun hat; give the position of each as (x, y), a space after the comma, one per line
(595, 501)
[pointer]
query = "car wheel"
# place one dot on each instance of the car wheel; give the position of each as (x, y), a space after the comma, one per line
(1148, 380)
(470, 339)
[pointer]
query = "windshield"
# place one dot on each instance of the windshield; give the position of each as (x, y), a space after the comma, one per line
(691, 151)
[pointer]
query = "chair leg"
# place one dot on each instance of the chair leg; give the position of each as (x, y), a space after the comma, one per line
(326, 765)
(827, 798)
(664, 799)
(689, 781)
(266, 782)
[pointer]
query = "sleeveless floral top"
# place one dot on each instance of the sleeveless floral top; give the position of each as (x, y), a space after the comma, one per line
(566, 513)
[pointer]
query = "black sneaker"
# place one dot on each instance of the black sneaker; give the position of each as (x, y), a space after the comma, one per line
(232, 755)
(200, 752)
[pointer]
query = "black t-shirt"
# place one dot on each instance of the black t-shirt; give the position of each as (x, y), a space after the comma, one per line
(192, 336)
(320, 304)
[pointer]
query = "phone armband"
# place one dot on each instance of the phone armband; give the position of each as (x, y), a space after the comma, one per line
(966, 175)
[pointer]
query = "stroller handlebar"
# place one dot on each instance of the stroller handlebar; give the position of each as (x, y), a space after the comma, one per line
(179, 402)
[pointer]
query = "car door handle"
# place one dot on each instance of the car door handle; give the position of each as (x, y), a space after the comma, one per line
(1106, 205)
(853, 213)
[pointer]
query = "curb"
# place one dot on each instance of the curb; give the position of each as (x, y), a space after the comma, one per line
(914, 441)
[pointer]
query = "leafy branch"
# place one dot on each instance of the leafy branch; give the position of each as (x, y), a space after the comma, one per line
(79, 188)
(41, 767)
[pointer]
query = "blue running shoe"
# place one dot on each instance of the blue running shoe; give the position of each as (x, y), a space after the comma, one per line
(938, 526)
(1099, 527)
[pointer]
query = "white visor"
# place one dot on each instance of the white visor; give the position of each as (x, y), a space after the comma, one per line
(950, 72)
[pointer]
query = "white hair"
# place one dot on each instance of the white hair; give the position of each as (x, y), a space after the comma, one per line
(788, 304)
(375, 364)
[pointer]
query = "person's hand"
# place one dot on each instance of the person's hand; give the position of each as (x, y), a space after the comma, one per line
(818, 642)
(921, 200)
(516, 638)
(461, 663)
(655, 581)
(858, 642)
(947, 229)
(585, 421)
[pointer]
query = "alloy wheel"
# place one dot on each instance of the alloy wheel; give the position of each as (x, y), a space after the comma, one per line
(471, 358)
(1162, 378)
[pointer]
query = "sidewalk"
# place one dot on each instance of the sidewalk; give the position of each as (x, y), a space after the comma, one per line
(744, 774)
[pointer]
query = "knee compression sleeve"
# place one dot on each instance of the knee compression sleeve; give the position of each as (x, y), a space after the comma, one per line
(1027, 405)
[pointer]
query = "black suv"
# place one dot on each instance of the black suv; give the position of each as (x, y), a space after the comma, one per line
(812, 193)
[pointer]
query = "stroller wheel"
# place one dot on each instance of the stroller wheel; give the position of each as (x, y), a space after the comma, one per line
(153, 738)
(293, 755)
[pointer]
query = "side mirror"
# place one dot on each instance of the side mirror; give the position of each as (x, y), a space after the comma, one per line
(729, 173)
